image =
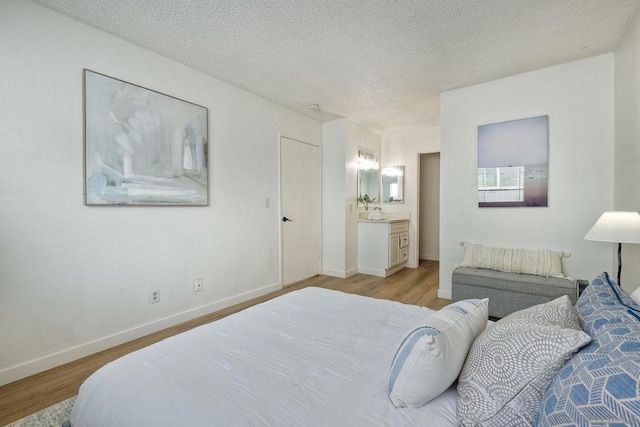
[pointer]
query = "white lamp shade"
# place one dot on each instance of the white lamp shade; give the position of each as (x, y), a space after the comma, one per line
(616, 226)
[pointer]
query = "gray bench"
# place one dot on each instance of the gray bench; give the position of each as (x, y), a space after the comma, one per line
(508, 292)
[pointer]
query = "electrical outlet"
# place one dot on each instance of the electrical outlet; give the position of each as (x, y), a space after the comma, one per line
(267, 202)
(154, 297)
(197, 285)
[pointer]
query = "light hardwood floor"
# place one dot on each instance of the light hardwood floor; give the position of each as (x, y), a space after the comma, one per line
(417, 286)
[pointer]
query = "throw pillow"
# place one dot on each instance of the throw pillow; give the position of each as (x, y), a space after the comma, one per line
(601, 384)
(511, 364)
(636, 296)
(604, 304)
(545, 263)
(430, 357)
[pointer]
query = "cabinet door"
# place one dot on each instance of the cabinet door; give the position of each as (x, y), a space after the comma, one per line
(394, 250)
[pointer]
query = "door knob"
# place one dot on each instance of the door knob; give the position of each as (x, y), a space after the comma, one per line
(285, 219)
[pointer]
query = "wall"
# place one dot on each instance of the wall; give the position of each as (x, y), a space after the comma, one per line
(404, 148)
(627, 142)
(429, 206)
(578, 97)
(336, 207)
(76, 279)
(341, 140)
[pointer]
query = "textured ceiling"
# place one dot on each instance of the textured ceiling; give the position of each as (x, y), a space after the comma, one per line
(379, 63)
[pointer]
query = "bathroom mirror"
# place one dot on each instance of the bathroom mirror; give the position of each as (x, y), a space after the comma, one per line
(368, 178)
(393, 184)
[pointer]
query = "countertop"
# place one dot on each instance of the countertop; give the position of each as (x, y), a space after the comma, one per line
(390, 217)
(385, 221)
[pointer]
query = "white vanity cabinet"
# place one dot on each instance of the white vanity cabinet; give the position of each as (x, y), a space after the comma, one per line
(383, 246)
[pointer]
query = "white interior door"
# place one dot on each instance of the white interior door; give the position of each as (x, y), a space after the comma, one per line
(300, 209)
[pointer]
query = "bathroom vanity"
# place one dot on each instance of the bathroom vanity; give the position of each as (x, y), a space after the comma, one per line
(383, 246)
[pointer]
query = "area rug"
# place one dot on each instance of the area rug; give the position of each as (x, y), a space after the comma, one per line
(54, 416)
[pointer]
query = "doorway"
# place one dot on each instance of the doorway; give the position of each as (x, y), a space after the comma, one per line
(299, 210)
(429, 207)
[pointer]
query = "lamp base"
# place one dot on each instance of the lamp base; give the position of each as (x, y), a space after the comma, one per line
(619, 263)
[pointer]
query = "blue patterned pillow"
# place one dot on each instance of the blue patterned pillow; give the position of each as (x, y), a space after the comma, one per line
(601, 384)
(603, 305)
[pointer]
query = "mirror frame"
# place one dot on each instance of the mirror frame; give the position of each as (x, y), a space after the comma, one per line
(394, 175)
(367, 161)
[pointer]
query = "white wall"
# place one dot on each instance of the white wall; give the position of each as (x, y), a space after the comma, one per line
(578, 97)
(404, 148)
(76, 279)
(627, 142)
(335, 204)
(429, 206)
(341, 140)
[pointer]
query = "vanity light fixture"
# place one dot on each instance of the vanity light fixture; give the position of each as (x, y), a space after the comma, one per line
(367, 161)
(393, 171)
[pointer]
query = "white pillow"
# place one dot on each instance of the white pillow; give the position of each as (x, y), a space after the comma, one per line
(544, 262)
(636, 296)
(431, 356)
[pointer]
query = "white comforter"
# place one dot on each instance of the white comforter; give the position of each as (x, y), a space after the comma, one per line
(313, 357)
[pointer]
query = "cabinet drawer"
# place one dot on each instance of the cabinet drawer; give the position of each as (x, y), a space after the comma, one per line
(404, 255)
(398, 227)
(404, 239)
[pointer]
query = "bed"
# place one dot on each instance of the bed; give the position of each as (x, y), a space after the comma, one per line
(312, 357)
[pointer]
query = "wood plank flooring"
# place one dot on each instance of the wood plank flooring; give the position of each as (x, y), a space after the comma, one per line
(417, 286)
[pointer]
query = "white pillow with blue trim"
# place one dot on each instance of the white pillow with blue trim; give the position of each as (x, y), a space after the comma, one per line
(636, 296)
(431, 356)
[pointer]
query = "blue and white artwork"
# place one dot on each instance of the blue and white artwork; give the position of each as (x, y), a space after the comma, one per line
(513, 163)
(142, 147)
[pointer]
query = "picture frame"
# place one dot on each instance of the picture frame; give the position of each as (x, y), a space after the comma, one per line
(142, 147)
(513, 159)
(393, 184)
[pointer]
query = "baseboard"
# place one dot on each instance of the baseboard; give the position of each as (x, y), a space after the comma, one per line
(430, 257)
(335, 273)
(26, 369)
(351, 272)
(443, 293)
(372, 271)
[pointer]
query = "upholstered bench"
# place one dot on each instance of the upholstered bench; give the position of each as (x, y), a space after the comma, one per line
(508, 292)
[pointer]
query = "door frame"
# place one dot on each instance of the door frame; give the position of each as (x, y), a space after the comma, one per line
(419, 205)
(280, 213)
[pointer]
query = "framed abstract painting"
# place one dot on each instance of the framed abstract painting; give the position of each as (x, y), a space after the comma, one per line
(142, 147)
(513, 163)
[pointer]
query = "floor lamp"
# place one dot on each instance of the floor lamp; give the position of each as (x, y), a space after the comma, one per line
(616, 227)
